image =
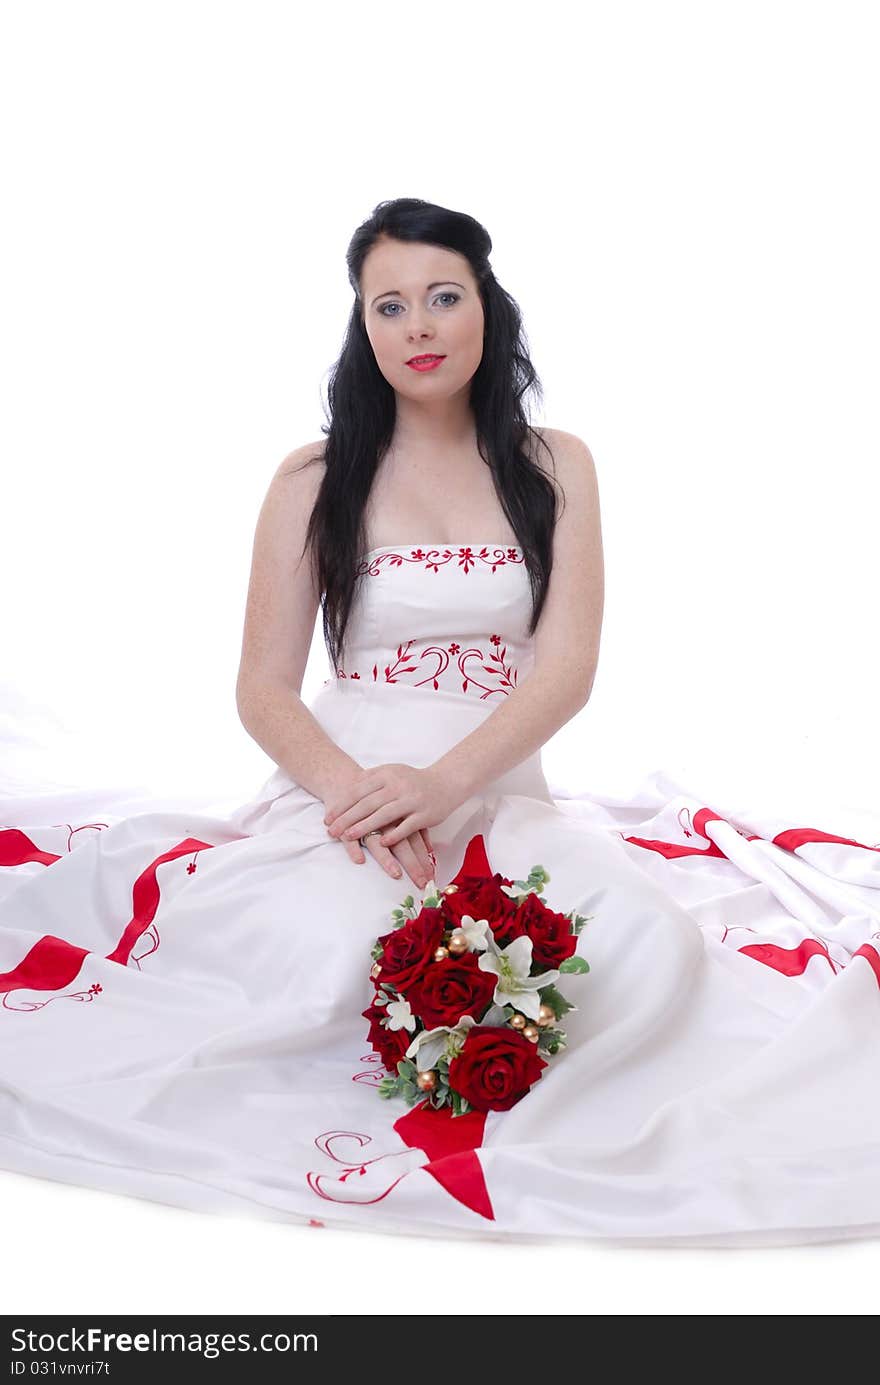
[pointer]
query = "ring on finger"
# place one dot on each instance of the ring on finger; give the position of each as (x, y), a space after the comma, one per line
(376, 832)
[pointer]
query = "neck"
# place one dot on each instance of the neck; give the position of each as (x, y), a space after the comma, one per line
(441, 426)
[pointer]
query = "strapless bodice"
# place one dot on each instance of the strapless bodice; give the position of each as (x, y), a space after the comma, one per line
(448, 618)
(437, 638)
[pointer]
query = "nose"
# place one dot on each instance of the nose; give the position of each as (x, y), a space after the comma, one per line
(417, 328)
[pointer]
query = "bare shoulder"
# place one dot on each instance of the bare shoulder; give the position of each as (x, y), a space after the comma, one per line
(567, 450)
(308, 458)
(294, 487)
(568, 462)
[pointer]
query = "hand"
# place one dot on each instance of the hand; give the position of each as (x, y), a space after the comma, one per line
(396, 797)
(415, 851)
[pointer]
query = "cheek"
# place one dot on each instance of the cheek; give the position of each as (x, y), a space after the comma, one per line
(469, 341)
(469, 330)
(386, 350)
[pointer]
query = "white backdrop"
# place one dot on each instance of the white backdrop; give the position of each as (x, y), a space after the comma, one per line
(682, 198)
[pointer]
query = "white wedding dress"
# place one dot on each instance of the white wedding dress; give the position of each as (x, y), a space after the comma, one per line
(182, 993)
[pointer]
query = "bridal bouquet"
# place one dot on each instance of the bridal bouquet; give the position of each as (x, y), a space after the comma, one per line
(465, 998)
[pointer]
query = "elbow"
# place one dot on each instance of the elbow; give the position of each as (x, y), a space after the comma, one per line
(585, 686)
(247, 697)
(573, 682)
(241, 708)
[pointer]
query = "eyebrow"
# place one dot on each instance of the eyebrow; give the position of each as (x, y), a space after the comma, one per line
(439, 284)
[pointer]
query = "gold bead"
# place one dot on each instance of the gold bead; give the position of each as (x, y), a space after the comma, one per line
(449, 889)
(375, 970)
(518, 1021)
(546, 1016)
(440, 954)
(531, 1031)
(426, 1081)
(458, 942)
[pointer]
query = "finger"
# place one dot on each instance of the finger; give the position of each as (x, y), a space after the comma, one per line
(417, 843)
(358, 813)
(384, 857)
(408, 856)
(381, 819)
(405, 828)
(356, 852)
(425, 852)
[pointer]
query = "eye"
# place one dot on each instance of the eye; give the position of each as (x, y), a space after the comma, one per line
(447, 294)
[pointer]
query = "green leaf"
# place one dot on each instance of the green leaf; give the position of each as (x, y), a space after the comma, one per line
(538, 875)
(578, 921)
(574, 964)
(389, 1087)
(557, 1002)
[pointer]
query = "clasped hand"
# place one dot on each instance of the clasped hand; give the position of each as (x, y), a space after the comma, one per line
(398, 798)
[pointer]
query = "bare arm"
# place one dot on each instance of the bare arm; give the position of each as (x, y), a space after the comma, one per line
(282, 605)
(276, 717)
(566, 640)
(523, 723)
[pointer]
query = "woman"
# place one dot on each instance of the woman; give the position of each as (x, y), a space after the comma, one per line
(718, 1085)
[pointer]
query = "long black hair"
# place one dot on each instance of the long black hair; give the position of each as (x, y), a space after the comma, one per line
(361, 412)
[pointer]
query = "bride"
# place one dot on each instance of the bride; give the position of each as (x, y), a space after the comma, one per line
(440, 466)
(186, 996)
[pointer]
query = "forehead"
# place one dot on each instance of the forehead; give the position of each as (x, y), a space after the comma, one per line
(409, 265)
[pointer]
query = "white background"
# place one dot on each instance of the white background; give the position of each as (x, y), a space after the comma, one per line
(682, 199)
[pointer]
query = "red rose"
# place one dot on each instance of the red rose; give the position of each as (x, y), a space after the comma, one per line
(495, 1067)
(483, 898)
(449, 989)
(551, 935)
(390, 1044)
(409, 951)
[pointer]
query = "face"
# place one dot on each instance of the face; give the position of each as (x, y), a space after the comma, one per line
(422, 300)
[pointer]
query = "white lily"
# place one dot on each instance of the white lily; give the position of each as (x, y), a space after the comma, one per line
(512, 965)
(476, 931)
(431, 1044)
(400, 1015)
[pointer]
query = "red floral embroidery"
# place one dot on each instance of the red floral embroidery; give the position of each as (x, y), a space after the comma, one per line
(435, 558)
(483, 672)
(494, 674)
